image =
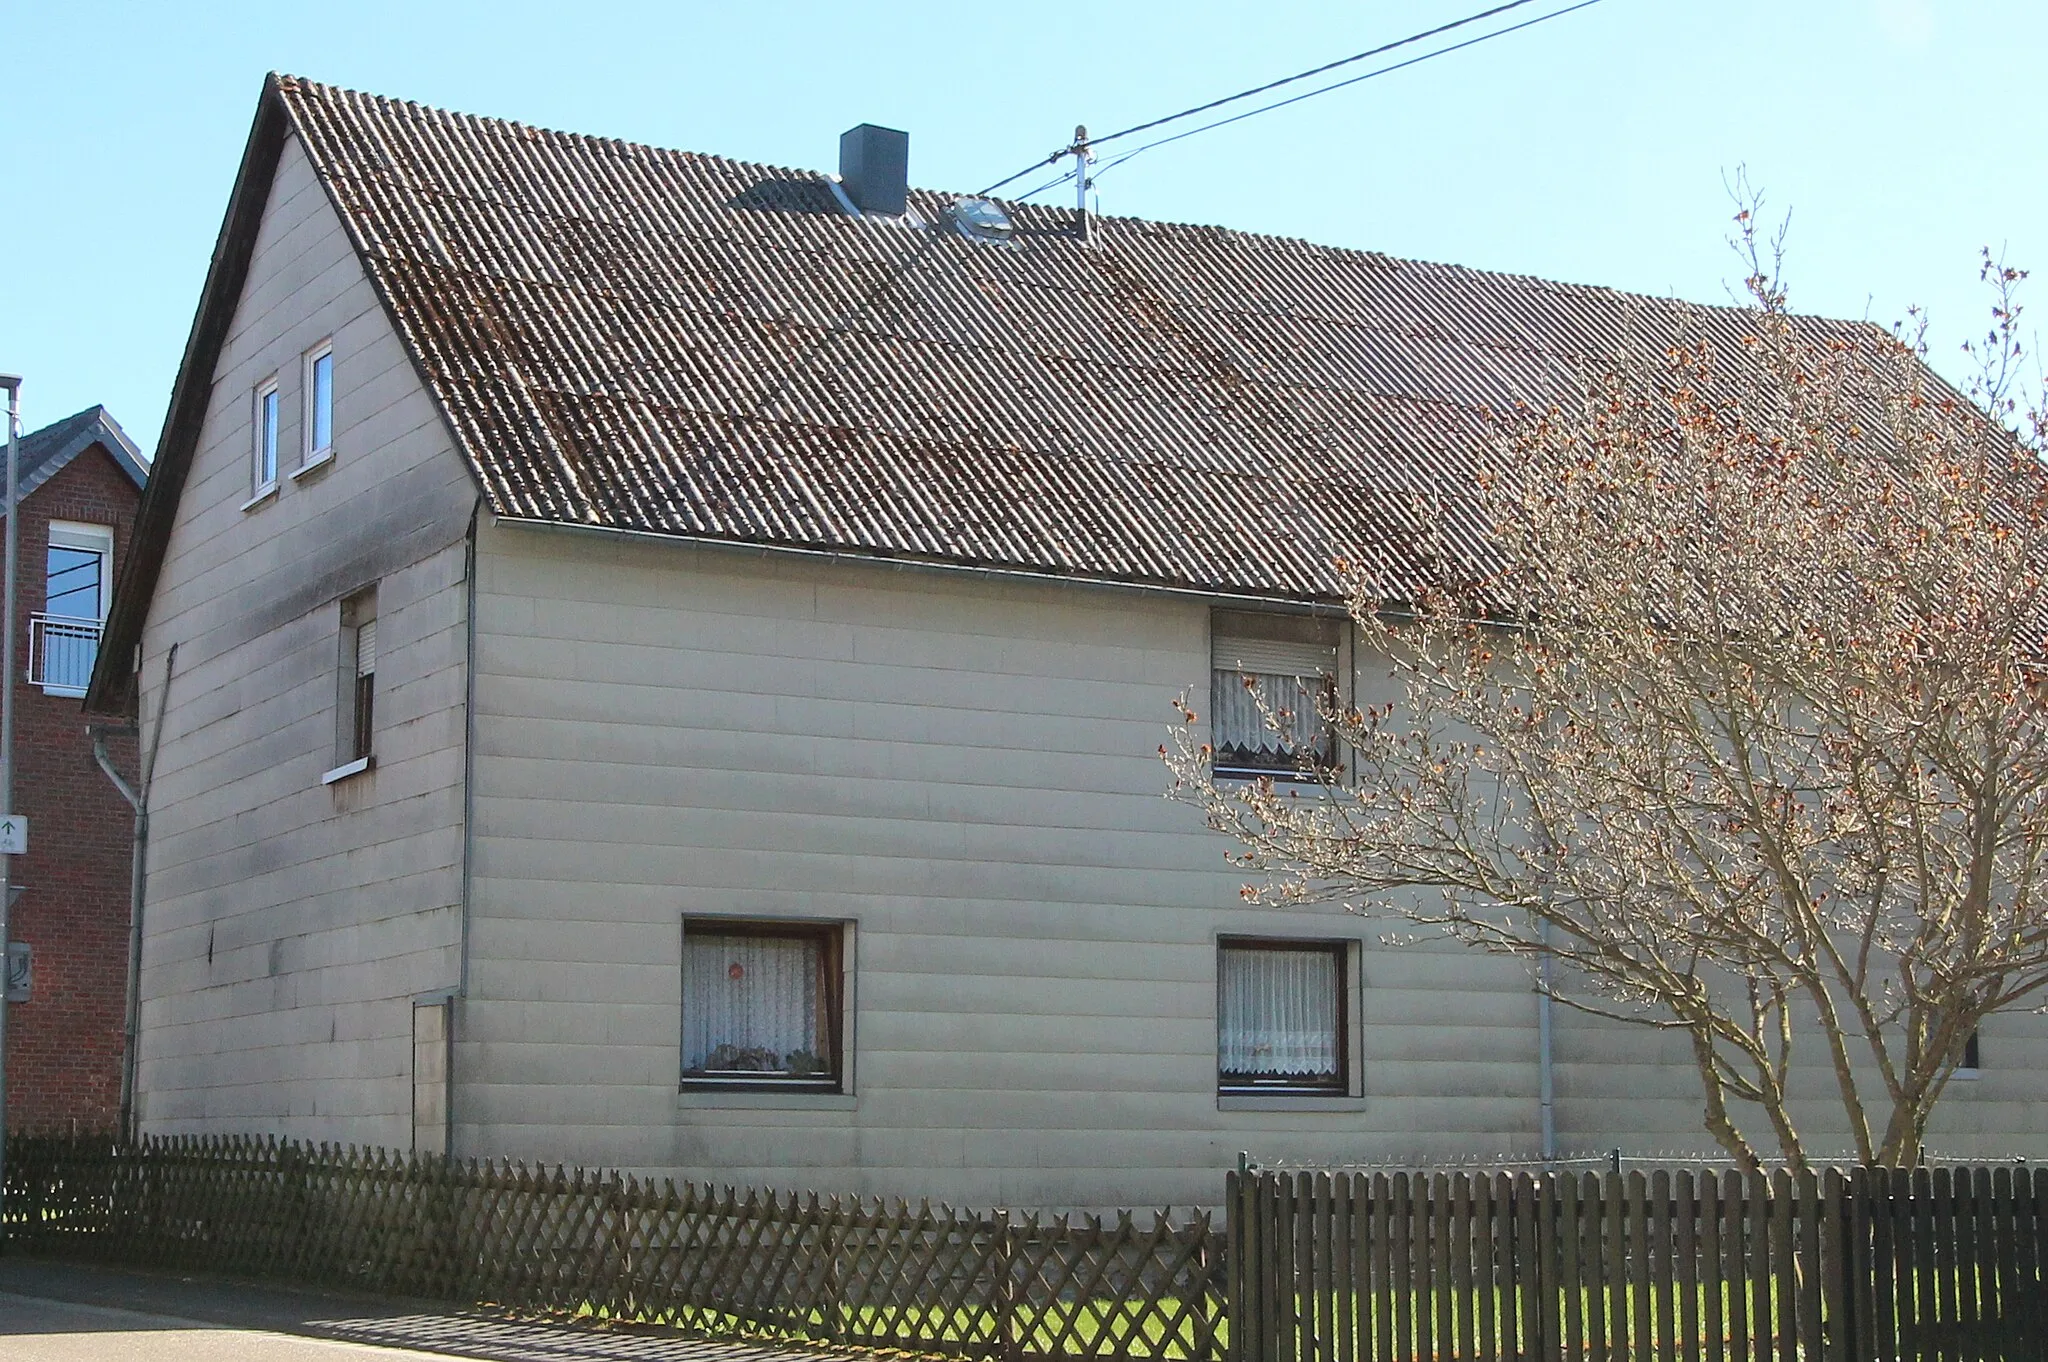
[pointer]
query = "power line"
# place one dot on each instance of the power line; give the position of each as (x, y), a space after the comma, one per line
(1338, 85)
(1382, 49)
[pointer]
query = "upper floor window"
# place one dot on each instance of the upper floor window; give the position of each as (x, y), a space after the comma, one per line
(264, 472)
(1290, 663)
(64, 637)
(319, 423)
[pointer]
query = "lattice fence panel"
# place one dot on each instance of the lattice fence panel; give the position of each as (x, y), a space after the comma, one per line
(721, 1261)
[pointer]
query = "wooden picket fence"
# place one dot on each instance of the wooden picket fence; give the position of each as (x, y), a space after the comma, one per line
(1870, 1264)
(722, 1262)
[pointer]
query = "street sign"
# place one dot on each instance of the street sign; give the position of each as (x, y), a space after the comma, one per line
(13, 835)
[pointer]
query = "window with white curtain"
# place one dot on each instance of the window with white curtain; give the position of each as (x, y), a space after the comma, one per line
(1289, 664)
(1280, 1021)
(761, 1004)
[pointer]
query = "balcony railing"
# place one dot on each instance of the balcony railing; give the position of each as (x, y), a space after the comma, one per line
(61, 650)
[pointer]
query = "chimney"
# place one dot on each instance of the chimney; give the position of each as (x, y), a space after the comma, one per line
(874, 168)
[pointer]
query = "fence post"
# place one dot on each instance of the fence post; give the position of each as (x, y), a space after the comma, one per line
(618, 1197)
(1240, 1278)
(1007, 1328)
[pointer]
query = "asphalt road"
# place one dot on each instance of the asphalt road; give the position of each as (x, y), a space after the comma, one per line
(33, 1329)
(62, 1312)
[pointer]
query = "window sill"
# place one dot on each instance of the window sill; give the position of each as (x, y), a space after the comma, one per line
(1290, 776)
(766, 1099)
(70, 691)
(1967, 1075)
(263, 494)
(353, 768)
(314, 464)
(1288, 1101)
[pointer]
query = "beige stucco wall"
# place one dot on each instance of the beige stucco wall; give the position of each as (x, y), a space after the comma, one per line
(290, 923)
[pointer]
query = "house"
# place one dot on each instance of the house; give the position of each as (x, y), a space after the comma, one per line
(80, 481)
(661, 662)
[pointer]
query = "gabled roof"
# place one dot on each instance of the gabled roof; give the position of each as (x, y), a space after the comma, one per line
(675, 343)
(44, 453)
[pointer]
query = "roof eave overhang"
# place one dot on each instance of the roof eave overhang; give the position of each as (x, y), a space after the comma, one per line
(1003, 572)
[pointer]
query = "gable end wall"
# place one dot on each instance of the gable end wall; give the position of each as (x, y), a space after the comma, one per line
(290, 923)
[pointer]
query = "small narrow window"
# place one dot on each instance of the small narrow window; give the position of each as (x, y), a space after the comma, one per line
(356, 702)
(319, 405)
(761, 1004)
(265, 473)
(1280, 1022)
(1289, 663)
(1972, 1055)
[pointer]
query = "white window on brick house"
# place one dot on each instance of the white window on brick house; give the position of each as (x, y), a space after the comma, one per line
(319, 416)
(1281, 1023)
(761, 1004)
(356, 688)
(78, 578)
(1291, 664)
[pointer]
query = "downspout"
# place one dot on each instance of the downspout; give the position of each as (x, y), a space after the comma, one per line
(1546, 1077)
(138, 800)
(468, 740)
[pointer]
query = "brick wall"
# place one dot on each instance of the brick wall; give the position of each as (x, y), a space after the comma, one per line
(64, 1046)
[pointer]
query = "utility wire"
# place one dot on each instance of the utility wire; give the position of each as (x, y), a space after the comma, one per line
(1261, 89)
(1049, 184)
(1382, 49)
(1338, 85)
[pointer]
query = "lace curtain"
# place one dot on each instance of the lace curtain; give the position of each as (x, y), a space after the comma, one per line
(1240, 732)
(751, 1004)
(1277, 1014)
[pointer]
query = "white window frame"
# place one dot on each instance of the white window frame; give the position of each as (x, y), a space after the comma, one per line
(311, 456)
(86, 538)
(261, 487)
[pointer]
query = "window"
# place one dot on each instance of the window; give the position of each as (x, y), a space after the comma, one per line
(265, 473)
(1292, 663)
(64, 638)
(1280, 1016)
(1972, 1055)
(319, 425)
(356, 700)
(761, 1004)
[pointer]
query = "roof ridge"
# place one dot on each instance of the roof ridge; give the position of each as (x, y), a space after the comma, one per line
(290, 83)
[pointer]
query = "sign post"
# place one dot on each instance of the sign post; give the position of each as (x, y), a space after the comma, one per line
(7, 852)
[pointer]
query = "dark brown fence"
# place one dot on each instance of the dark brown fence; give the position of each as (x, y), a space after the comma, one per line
(722, 1262)
(1872, 1264)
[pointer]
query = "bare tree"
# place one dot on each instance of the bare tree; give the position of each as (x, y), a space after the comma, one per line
(1739, 720)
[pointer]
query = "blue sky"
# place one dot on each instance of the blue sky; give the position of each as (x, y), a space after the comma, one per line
(1593, 149)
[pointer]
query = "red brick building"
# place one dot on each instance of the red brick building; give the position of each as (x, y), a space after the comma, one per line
(81, 479)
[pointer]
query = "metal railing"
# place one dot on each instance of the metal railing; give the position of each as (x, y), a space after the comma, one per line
(61, 651)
